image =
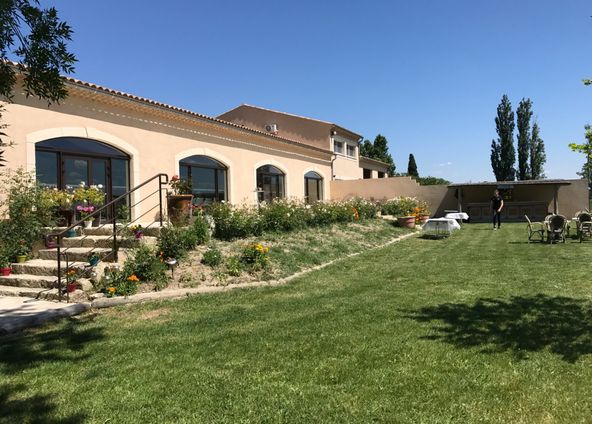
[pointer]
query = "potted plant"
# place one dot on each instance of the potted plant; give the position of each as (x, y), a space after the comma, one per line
(406, 216)
(51, 242)
(71, 233)
(85, 212)
(63, 201)
(21, 251)
(179, 202)
(421, 213)
(4, 265)
(71, 279)
(94, 259)
(138, 231)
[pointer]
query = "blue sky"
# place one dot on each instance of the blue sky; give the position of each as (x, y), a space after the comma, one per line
(426, 74)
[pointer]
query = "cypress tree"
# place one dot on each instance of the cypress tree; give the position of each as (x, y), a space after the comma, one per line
(523, 116)
(503, 154)
(538, 156)
(412, 167)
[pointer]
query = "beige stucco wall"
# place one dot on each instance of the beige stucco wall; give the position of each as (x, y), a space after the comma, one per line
(307, 131)
(346, 168)
(439, 198)
(156, 140)
(374, 166)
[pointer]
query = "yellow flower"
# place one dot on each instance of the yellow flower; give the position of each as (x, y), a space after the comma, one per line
(111, 290)
(133, 278)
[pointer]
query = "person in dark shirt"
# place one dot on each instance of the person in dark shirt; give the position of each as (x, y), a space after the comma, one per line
(497, 204)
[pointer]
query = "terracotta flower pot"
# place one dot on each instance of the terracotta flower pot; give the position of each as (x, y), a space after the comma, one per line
(423, 219)
(5, 272)
(179, 208)
(406, 221)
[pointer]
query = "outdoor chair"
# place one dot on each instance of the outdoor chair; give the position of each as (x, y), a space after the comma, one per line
(556, 228)
(583, 225)
(535, 229)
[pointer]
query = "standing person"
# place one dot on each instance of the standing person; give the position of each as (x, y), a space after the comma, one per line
(497, 204)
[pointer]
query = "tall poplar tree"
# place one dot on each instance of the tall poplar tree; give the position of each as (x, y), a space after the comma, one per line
(523, 117)
(503, 154)
(538, 157)
(412, 167)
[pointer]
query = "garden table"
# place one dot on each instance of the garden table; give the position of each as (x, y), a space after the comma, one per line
(459, 216)
(441, 226)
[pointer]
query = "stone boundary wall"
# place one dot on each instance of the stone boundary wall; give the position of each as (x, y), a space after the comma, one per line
(438, 197)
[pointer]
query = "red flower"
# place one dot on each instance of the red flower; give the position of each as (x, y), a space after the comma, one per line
(175, 178)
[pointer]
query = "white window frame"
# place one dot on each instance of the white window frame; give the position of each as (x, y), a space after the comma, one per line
(350, 146)
(340, 144)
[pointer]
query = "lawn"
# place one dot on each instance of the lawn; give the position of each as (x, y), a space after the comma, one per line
(479, 327)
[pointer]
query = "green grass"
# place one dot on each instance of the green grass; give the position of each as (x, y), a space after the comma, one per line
(479, 327)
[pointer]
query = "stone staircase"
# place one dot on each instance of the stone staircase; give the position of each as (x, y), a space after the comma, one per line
(37, 278)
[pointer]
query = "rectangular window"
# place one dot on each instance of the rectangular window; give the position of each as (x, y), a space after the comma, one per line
(351, 151)
(338, 147)
(380, 174)
(367, 174)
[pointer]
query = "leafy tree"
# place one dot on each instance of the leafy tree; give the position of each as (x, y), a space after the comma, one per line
(523, 117)
(37, 39)
(367, 149)
(379, 151)
(412, 166)
(431, 181)
(586, 149)
(503, 154)
(537, 154)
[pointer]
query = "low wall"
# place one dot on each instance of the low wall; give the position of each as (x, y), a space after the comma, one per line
(438, 197)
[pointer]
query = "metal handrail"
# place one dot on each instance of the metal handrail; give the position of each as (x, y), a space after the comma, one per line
(163, 180)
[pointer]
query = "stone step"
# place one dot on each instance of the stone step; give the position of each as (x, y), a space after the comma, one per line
(76, 254)
(106, 241)
(150, 229)
(42, 267)
(29, 281)
(42, 293)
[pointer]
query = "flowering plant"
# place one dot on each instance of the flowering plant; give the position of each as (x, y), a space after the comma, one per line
(256, 256)
(136, 228)
(92, 195)
(22, 248)
(71, 275)
(61, 198)
(179, 185)
(85, 211)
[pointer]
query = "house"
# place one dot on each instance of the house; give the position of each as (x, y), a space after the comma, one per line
(101, 136)
(347, 164)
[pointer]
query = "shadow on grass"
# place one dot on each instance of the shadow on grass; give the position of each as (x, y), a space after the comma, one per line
(64, 344)
(16, 408)
(519, 325)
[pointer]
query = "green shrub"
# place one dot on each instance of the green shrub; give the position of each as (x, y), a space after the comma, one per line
(234, 222)
(201, 227)
(366, 209)
(234, 266)
(212, 257)
(174, 242)
(147, 266)
(283, 215)
(28, 209)
(400, 206)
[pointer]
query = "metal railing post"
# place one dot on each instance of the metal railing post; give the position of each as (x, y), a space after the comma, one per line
(114, 223)
(160, 199)
(60, 292)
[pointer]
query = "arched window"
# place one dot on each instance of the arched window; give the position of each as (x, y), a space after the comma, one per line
(207, 177)
(313, 187)
(65, 162)
(270, 183)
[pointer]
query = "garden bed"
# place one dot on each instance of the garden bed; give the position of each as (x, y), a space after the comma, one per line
(289, 253)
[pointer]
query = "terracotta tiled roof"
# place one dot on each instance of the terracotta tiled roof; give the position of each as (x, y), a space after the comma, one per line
(188, 112)
(154, 103)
